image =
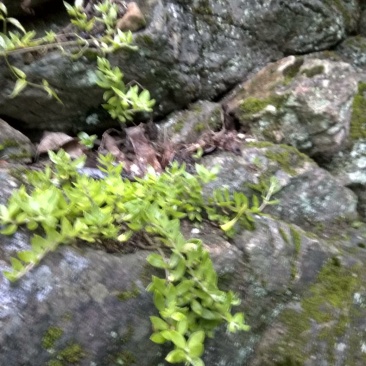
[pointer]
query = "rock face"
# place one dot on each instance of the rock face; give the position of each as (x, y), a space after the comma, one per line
(306, 103)
(308, 196)
(190, 50)
(14, 146)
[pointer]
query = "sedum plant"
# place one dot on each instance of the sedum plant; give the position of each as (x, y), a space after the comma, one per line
(63, 205)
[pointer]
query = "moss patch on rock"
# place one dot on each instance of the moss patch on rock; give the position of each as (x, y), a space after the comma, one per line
(52, 335)
(252, 105)
(316, 70)
(70, 355)
(127, 295)
(358, 119)
(321, 318)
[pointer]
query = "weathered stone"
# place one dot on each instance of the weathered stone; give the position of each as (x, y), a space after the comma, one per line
(349, 168)
(353, 50)
(133, 20)
(190, 50)
(22, 7)
(326, 326)
(185, 127)
(14, 146)
(308, 196)
(303, 102)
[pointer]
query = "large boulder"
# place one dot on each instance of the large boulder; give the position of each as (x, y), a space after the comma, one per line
(303, 102)
(309, 195)
(189, 50)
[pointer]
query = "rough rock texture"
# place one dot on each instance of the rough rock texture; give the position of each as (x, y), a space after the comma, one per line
(306, 103)
(23, 7)
(353, 50)
(309, 195)
(190, 50)
(89, 306)
(349, 168)
(326, 326)
(14, 146)
(185, 127)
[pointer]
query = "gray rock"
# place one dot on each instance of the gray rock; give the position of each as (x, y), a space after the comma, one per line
(185, 127)
(349, 168)
(309, 195)
(14, 146)
(306, 103)
(23, 7)
(325, 326)
(352, 50)
(190, 50)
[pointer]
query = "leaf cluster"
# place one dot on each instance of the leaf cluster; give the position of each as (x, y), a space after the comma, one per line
(121, 102)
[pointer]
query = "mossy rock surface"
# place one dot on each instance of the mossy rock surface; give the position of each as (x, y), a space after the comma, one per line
(300, 101)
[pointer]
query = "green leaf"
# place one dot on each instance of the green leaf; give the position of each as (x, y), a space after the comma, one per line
(3, 9)
(11, 276)
(156, 260)
(20, 84)
(157, 338)
(159, 301)
(176, 356)
(16, 264)
(16, 23)
(182, 326)
(27, 256)
(9, 230)
(175, 337)
(158, 323)
(197, 362)
(21, 74)
(196, 307)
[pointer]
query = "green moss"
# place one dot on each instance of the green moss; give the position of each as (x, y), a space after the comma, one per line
(125, 358)
(330, 55)
(252, 105)
(259, 144)
(292, 70)
(284, 236)
(287, 157)
(145, 39)
(357, 42)
(296, 239)
(9, 143)
(55, 363)
(199, 127)
(178, 126)
(358, 120)
(326, 304)
(52, 335)
(127, 295)
(342, 9)
(71, 354)
(202, 7)
(316, 70)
